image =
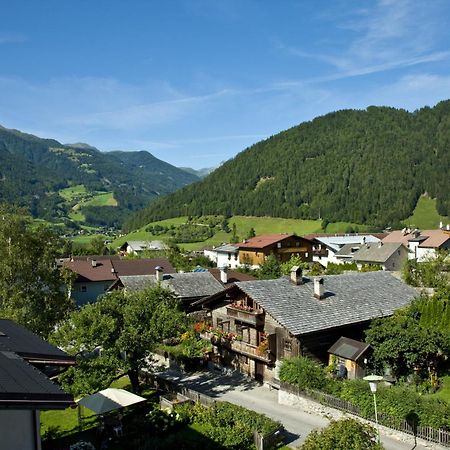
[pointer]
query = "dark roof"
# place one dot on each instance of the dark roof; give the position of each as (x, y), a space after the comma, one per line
(24, 386)
(348, 249)
(144, 266)
(349, 298)
(348, 348)
(232, 275)
(17, 339)
(183, 285)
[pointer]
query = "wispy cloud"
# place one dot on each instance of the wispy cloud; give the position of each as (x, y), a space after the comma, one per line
(389, 35)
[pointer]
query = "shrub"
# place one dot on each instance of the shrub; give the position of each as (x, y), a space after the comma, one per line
(303, 372)
(228, 425)
(346, 434)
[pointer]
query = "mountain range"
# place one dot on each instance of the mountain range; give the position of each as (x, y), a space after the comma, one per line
(34, 171)
(362, 166)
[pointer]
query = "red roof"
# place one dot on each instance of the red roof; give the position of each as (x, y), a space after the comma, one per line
(92, 270)
(430, 238)
(109, 269)
(125, 267)
(263, 241)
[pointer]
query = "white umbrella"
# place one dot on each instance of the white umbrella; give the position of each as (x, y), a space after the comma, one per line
(109, 400)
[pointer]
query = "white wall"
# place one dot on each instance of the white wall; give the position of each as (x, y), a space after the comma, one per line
(229, 260)
(18, 429)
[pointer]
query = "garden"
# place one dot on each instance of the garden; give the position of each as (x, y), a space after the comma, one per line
(146, 426)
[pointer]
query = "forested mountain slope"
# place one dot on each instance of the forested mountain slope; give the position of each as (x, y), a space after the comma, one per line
(364, 166)
(34, 170)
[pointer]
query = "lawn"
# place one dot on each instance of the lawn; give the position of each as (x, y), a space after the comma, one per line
(425, 215)
(342, 227)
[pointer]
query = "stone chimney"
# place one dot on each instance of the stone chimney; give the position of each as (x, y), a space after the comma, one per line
(159, 274)
(319, 288)
(296, 275)
(223, 274)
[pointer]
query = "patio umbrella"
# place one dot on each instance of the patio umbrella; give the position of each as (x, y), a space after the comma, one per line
(109, 400)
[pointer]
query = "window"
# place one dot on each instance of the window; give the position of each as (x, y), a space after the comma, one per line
(287, 345)
(83, 288)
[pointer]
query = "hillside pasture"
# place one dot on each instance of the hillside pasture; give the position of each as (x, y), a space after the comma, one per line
(425, 215)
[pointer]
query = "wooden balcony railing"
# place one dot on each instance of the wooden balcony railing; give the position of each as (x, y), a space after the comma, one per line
(253, 316)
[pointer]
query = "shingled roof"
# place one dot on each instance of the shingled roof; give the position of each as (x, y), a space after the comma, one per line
(184, 285)
(376, 253)
(349, 298)
(263, 241)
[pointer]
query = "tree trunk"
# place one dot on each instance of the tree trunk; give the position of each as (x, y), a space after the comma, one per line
(133, 374)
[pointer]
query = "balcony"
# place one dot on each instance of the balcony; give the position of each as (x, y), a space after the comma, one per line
(250, 350)
(253, 317)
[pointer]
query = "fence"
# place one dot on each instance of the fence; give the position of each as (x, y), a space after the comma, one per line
(438, 436)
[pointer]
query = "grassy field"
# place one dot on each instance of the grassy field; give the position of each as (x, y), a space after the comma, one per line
(425, 215)
(261, 225)
(73, 192)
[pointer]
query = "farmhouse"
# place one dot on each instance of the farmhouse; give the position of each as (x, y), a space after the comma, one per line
(254, 251)
(254, 324)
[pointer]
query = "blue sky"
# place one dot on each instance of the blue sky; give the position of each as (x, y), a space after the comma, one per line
(196, 81)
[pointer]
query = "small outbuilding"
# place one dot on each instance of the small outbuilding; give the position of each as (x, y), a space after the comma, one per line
(349, 357)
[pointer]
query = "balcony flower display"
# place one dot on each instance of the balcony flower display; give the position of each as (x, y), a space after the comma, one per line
(263, 347)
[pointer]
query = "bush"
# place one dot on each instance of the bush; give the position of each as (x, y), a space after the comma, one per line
(346, 434)
(228, 425)
(303, 372)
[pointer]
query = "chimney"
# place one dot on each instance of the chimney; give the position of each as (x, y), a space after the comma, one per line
(319, 288)
(363, 240)
(380, 244)
(448, 227)
(223, 274)
(93, 263)
(159, 274)
(296, 275)
(441, 225)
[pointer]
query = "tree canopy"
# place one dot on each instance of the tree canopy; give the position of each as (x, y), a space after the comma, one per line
(415, 339)
(345, 166)
(116, 335)
(31, 285)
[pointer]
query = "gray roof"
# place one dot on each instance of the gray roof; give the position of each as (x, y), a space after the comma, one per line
(348, 250)
(184, 285)
(138, 246)
(348, 348)
(336, 242)
(349, 298)
(376, 253)
(227, 248)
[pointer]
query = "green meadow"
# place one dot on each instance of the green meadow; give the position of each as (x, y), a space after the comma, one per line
(425, 215)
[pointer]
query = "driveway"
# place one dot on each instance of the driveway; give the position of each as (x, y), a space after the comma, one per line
(241, 391)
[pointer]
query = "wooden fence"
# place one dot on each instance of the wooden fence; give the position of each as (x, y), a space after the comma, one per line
(439, 436)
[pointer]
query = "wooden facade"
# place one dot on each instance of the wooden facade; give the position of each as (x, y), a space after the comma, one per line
(254, 253)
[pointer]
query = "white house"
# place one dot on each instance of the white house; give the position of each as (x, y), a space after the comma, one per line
(227, 255)
(422, 245)
(326, 248)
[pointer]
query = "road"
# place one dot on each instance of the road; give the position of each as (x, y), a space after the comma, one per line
(298, 423)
